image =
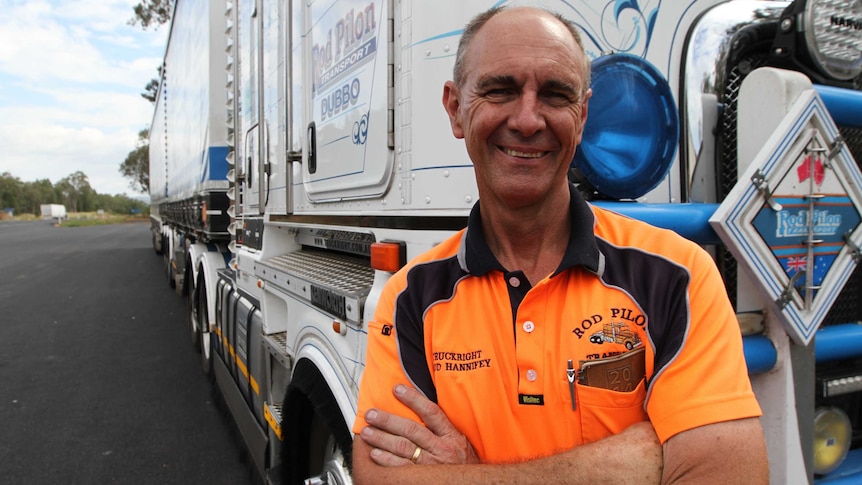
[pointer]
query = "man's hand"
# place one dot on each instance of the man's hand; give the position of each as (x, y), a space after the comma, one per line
(384, 448)
(395, 439)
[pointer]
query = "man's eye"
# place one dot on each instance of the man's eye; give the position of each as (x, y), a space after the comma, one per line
(498, 92)
(559, 99)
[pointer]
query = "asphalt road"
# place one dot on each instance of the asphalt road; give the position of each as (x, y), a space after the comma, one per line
(98, 379)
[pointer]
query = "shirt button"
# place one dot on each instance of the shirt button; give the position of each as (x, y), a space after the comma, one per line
(531, 375)
(514, 282)
(529, 326)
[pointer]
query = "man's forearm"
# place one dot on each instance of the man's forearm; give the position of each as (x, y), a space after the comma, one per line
(633, 456)
(726, 452)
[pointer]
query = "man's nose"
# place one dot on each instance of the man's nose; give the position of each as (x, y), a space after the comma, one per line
(527, 117)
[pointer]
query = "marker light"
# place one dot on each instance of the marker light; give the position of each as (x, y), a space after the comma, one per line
(388, 256)
(833, 34)
(841, 385)
(632, 130)
(832, 434)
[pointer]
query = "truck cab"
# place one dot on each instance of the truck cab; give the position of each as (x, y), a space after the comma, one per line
(305, 157)
(617, 333)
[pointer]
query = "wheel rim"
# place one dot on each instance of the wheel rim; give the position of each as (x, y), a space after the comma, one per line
(194, 317)
(202, 321)
(168, 271)
(319, 446)
(206, 354)
(334, 467)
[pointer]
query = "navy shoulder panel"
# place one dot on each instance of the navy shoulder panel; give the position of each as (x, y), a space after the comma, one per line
(660, 287)
(427, 284)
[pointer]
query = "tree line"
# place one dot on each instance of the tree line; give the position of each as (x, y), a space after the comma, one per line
(73, 191)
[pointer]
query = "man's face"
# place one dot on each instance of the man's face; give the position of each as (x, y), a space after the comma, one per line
(522, 106)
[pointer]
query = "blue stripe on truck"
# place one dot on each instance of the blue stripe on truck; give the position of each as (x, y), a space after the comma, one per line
(216, 164)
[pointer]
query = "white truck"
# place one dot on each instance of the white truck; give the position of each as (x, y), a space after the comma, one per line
(300, 154)
(52, 211)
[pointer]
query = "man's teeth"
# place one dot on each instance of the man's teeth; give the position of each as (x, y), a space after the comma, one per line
(516, 153)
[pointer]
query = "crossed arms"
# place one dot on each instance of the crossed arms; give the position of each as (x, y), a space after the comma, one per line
(726, 452)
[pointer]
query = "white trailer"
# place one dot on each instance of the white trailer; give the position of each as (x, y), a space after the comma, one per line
(53, 211)
(339, 166)
(188, 143)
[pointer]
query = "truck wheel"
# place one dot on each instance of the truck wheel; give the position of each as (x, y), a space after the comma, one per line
(157, 246)
(317, 446)
(168, 270)
(202, 314)
(182, 287)
(194, 313)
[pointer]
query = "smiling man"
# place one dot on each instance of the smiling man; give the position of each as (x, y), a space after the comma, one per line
(550, 341)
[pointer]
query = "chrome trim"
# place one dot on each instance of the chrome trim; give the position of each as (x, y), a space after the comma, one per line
(707, 54)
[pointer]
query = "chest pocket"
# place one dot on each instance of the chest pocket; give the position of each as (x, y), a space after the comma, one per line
(611, 394)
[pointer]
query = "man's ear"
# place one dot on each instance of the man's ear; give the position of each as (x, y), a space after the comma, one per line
(586, 106)
(585, 109)
(452, 105)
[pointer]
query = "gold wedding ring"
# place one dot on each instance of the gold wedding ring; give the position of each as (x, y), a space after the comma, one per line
(416, 454)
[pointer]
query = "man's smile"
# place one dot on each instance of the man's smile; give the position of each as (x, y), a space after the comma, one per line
(523, 154)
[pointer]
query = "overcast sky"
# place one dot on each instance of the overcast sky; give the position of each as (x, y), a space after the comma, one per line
(71, 75)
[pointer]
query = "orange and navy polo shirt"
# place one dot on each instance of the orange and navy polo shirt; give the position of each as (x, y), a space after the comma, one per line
(493, 351)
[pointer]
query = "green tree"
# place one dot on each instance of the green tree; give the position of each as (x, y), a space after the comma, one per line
(77, 195)
(152, 13)
(136, 166)
(73, 191)
(122, 204)
(35, 194)
(151, 90)
(10, 191)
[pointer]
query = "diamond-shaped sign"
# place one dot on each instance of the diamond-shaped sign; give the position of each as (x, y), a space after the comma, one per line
(793, 218)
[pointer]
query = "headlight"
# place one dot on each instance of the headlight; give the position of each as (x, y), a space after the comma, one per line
(833, 34)
(632, 130)
(832, 436)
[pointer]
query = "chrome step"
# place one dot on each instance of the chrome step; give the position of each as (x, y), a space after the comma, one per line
(335, 283)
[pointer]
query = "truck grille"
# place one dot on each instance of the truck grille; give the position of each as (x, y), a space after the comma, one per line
(847, 307)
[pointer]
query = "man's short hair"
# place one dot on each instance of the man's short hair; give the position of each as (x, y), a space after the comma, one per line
(480, 20)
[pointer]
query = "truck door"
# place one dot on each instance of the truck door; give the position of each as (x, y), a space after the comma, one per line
(250, 150)
(348, 136)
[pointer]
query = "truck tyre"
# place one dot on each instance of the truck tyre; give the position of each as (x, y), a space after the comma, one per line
(317, 446)
(182, 286)
(194, 313)
(168, 270)
(204, 337)
(157, 245)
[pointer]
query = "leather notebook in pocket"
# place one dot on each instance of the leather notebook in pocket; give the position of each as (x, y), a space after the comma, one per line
(621, 373)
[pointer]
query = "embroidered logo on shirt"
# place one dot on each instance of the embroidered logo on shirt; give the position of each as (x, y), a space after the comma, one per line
(594, 324)
(616, 333)
(460, 361)
(531, 399)
(386, 330)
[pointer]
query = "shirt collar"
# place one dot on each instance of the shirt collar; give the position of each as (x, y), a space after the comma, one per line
(477, 259)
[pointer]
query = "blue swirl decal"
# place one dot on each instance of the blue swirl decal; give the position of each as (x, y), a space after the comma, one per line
(619, 26)
(360, 130)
